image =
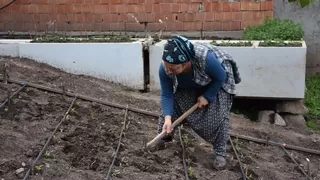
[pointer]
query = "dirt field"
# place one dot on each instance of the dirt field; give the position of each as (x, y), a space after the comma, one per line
(84, 145)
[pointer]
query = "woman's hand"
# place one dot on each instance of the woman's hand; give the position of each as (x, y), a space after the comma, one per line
(202, 102)
(167, 126)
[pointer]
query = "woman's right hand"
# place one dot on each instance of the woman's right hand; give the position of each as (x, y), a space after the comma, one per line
(167, 126)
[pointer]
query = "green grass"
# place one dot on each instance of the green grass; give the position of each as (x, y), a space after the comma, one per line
(312, 100)
(274, 29)
(312, 124)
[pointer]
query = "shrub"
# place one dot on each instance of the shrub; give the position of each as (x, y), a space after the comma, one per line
(274, 29)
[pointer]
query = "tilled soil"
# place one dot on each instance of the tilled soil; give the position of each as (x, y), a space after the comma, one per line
(24, 127)
(85, 143)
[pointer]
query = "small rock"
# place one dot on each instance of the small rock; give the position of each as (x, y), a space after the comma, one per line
(278, 120)
(265, 116)
(247, 160)
(40, 101)
(18, 171)
(47, 165)
(315, 138)
(23, 116)
(20, 176)
(30, 153)
(191, 149)
(33, 110)
(296, 121)
(293, 107)
(205, 144)
(23, 164)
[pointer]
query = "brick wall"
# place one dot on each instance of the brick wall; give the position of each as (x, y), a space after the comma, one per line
(114, 15)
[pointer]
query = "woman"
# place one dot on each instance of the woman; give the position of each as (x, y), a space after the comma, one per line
(203, 73)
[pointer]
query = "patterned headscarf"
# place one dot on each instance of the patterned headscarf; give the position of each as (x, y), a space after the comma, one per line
(178, 50)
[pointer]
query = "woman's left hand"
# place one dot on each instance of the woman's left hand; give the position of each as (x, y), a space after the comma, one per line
(202, 102)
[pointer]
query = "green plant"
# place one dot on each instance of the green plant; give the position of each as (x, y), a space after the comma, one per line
(190, 171)
(312, 100)
(280, 44)
(115, 172)
(129, 89)
(303, 3)
(47, 154)
(38, 168)
(274, 29)
(190, 168)
(91, 39)
(237, 143)
(186, 140)
(312, 124)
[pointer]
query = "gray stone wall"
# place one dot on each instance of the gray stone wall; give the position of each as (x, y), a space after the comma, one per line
(309, 18)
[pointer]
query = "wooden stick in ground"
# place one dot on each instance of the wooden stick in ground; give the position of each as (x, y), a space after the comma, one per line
(64, 92)
(9, 99)
(5, 75)
(308, 165)
(119, 143)
(174, 124)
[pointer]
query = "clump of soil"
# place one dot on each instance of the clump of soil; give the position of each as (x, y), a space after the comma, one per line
(85, 144)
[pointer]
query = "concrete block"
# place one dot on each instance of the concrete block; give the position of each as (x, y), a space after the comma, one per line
(10, 47)
(266, 72)
(116, 62)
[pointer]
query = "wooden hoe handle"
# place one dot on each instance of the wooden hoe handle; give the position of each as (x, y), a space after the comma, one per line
(174, 124)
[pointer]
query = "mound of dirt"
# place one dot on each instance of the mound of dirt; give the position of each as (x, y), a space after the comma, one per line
(86, 142)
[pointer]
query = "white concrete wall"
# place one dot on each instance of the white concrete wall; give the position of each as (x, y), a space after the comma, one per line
(155, 56)
(266, 72)
(117, 62)
(10, 47)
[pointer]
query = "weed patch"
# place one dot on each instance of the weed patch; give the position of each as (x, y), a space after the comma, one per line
(274, 29)
(279, 44)
(228, 43)
(312, 100)
(88, 39)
